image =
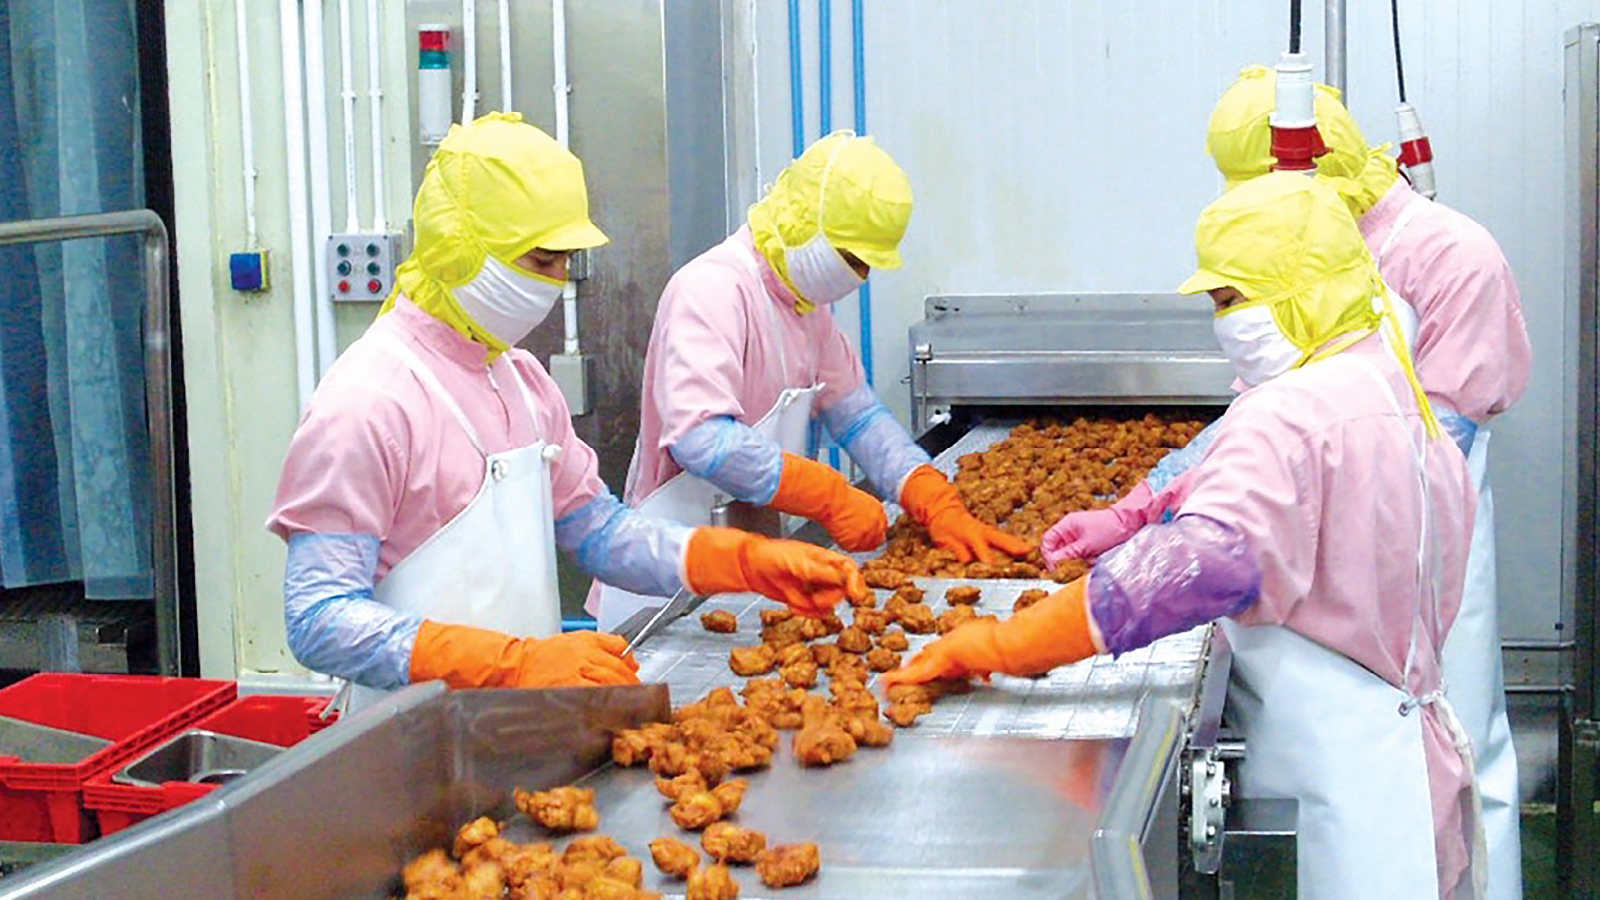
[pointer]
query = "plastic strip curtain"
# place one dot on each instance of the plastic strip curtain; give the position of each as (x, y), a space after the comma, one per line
(74, 445)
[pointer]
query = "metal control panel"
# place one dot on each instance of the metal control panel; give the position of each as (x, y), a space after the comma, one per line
(361, 266)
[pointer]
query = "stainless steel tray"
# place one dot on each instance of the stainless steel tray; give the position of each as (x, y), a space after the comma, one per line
(197, 755)
(41, 744)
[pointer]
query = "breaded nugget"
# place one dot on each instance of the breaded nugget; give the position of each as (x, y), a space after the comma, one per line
(854, 640)
(729, 843)
(895, 640)
(963, 594)
(719, 621)
(787, 865)
(559, 809)
(1028, 598)
(674, 857)
(747, 661)
(696, 810)
(881, 659)
(823, 745)
(712, 883)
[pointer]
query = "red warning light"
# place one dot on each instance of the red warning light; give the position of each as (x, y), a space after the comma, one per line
(433, 40)
(374, 286)
(344, 287)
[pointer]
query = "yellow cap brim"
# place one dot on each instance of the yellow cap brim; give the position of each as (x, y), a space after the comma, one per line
(577, 236)
(878, 259)
(1201, 281)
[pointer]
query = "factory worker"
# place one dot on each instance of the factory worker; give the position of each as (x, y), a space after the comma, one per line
(1328, 527)
(745, 354)
(1472, 357)
(435, 469)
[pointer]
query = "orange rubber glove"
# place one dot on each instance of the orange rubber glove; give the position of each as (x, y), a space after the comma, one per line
(932, 500)
(467, 657)
(1053, 632)
(808, 579)
(810, 489)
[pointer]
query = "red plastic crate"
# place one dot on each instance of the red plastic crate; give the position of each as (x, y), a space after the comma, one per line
(269, 718)
(44, 802)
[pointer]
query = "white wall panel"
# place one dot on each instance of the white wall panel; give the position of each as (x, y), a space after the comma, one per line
(1060, 146)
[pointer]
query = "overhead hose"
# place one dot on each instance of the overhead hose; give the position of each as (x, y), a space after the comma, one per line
(1294, 26)
(1399, 66)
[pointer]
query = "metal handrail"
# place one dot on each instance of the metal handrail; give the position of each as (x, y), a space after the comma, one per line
(1116, 850)
(157, 387)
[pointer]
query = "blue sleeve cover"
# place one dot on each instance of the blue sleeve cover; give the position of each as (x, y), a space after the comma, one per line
(334, 625)
(863, 426)
(1461, 429)
(1182, 459)
(620, 547)
(733, 457)
(1169, 578)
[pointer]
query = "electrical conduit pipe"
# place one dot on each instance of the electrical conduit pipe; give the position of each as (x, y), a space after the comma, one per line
(563, 89)
(316, 85)
(299, 240)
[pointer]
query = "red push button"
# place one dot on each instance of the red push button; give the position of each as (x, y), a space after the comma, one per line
(374, 286)
(344, 287)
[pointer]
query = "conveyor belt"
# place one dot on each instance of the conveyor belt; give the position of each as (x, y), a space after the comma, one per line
(1097, 698)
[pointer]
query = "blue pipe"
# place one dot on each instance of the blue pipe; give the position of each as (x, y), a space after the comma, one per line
(825, 65)
(797, 99)
(582, 623)
(858, 48)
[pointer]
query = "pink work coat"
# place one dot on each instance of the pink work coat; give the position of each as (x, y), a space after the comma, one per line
(727, 341)
(376, 452)
(1308, 466)
(1472, 351)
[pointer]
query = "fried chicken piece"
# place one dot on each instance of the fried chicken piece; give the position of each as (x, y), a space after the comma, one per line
(850, 668)
(954, 617)
(747, 661)
(474, 833)
(811, 629)
(448, 888)
(867, 600)
(719, 621)
(800, 675)
(823, 745)
(895, 640)
(714, 883)
(432, 866)
(730, 795)
(544, 887)
(483, 880)
(673, 857)
(908, 593)
(854, 640)
(631, 747)
(905, 713)
(607, 888)
(831, 623)
(673, 788)
(728, 843)
(1028, 598)
(918, 619)
(712, 765)
(965, 595)
(598, 848)
(882, 659)
(872, 621)
(493, 850)
(770, 617)
(578, 874)
(787, 865)
(627, 870)
(788, 656)
(559, 809)
(824, 654)
(671, 760)
(695, 811)
(527, 862)
(871, 731)
(884, 578)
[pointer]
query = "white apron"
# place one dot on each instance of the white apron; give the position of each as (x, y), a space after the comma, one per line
(494, 565)
(1475, 671)
(689, 500)
(1348, 745)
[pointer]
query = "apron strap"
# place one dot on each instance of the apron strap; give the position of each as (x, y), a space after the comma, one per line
(433, 385)
(527, 396)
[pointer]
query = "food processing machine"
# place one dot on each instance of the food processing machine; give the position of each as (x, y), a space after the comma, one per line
(1109, 778)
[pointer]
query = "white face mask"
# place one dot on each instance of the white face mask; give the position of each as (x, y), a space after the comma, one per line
(508, 302)
(818, 270)
(1251, 340)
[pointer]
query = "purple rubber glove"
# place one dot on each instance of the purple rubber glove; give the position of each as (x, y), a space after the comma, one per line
(1086, 535)
(1169, 578)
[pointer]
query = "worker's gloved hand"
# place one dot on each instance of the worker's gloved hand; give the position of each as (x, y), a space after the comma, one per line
(467, 657)
(1053, 632)
(853, 517)
(1087, 534)
(931, 499)
(808, 579)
